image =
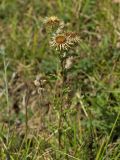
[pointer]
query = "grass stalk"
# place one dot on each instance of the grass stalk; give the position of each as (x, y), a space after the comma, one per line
(5, 64)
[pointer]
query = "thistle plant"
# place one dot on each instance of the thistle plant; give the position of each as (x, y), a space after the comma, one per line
(62, 42)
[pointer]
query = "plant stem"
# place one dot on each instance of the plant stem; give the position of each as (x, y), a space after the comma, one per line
(25, 103)
(63, 76)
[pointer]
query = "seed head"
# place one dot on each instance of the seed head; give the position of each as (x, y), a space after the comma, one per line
(52, 21)
(61, 42)
(73, 37)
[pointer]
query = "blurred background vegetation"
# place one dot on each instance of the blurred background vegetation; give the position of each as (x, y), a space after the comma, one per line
(91, 124)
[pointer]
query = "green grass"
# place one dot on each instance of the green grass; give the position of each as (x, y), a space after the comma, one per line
(34, 126)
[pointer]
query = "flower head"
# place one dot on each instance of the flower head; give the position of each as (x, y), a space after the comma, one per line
(73, 37)
(52, 21)
(61, 42)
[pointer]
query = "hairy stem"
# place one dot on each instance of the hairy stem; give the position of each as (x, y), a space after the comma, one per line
(63, 76)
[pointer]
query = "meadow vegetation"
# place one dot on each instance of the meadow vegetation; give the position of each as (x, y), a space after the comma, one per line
(56, 104)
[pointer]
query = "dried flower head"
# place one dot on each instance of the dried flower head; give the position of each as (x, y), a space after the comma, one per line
(73, 36)
(52, 21)
(61, 42)
(39, 83)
